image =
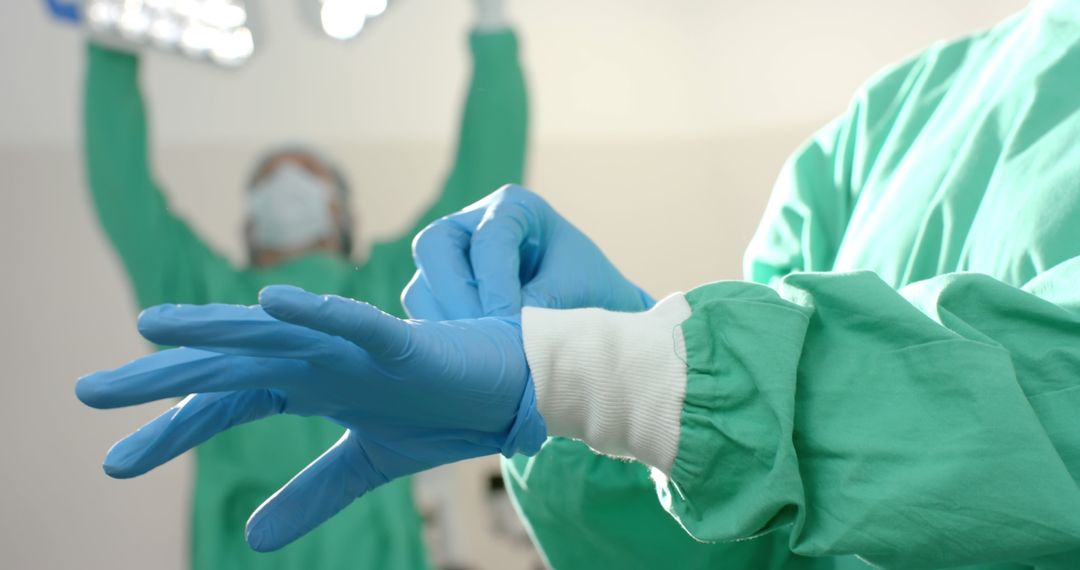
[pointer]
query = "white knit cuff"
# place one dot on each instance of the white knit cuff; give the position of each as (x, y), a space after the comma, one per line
(613, 380)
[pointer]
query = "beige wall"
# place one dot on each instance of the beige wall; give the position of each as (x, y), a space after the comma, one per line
(658, 128)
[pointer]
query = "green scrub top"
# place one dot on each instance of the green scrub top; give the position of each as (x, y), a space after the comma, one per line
(168, 263)
(898, 381)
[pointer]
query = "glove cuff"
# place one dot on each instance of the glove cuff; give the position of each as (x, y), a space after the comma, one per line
(613, 380)
(528, 432)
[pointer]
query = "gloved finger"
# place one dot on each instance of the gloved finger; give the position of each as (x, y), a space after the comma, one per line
(495, 255)
(441, 253)
(232, 329)
(420, 302)
(178, 372)
(378, 333)
(339, 476)
(187, 424)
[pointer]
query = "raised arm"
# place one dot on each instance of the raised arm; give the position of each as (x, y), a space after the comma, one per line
(492, 137)
(492, 140)
(166, 261)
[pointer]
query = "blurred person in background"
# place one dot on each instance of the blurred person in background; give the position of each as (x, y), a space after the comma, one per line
(299, 231)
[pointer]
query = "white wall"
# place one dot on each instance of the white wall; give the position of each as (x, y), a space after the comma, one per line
(657, 127)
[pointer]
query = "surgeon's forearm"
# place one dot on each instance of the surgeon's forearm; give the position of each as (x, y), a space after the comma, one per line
(877, 422)
(164, 258)
(114, 127)
(492, 141)
(494, 124)
(127, 200)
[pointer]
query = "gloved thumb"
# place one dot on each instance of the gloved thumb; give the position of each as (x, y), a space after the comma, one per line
(330, 483)
(495, 255)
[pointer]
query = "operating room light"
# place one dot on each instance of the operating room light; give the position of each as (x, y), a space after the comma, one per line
(343, 19)
(216, 30)
(102, 15)
(165, 32)
(234, 49)
(134, 24)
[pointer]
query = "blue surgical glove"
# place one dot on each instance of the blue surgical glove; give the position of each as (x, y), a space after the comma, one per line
(412, 394)
(509, 250)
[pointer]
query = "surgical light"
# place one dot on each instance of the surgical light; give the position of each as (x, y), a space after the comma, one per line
(214, 30)
(235, 48)
(343, 19)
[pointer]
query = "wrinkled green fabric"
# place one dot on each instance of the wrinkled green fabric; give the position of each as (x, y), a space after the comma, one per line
(900, 378)
(168, 263)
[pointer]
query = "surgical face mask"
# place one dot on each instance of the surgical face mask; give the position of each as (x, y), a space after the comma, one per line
(290, 209)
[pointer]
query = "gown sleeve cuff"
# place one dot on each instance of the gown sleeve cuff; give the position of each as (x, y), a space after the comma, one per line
(736, 474)
(613, 380)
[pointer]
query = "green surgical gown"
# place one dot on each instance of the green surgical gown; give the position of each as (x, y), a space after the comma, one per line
(168, 263)
(898, 380)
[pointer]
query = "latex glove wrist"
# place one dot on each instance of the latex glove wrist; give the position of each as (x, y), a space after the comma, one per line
(613, 380)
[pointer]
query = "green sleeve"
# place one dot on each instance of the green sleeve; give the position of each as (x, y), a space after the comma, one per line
(931, 426)
(585, 510)
(928, 427)
(490, 148)
(166, 261)
(492, 141)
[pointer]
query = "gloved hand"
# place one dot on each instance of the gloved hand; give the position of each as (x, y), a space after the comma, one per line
(412, 394)
(508, 250)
